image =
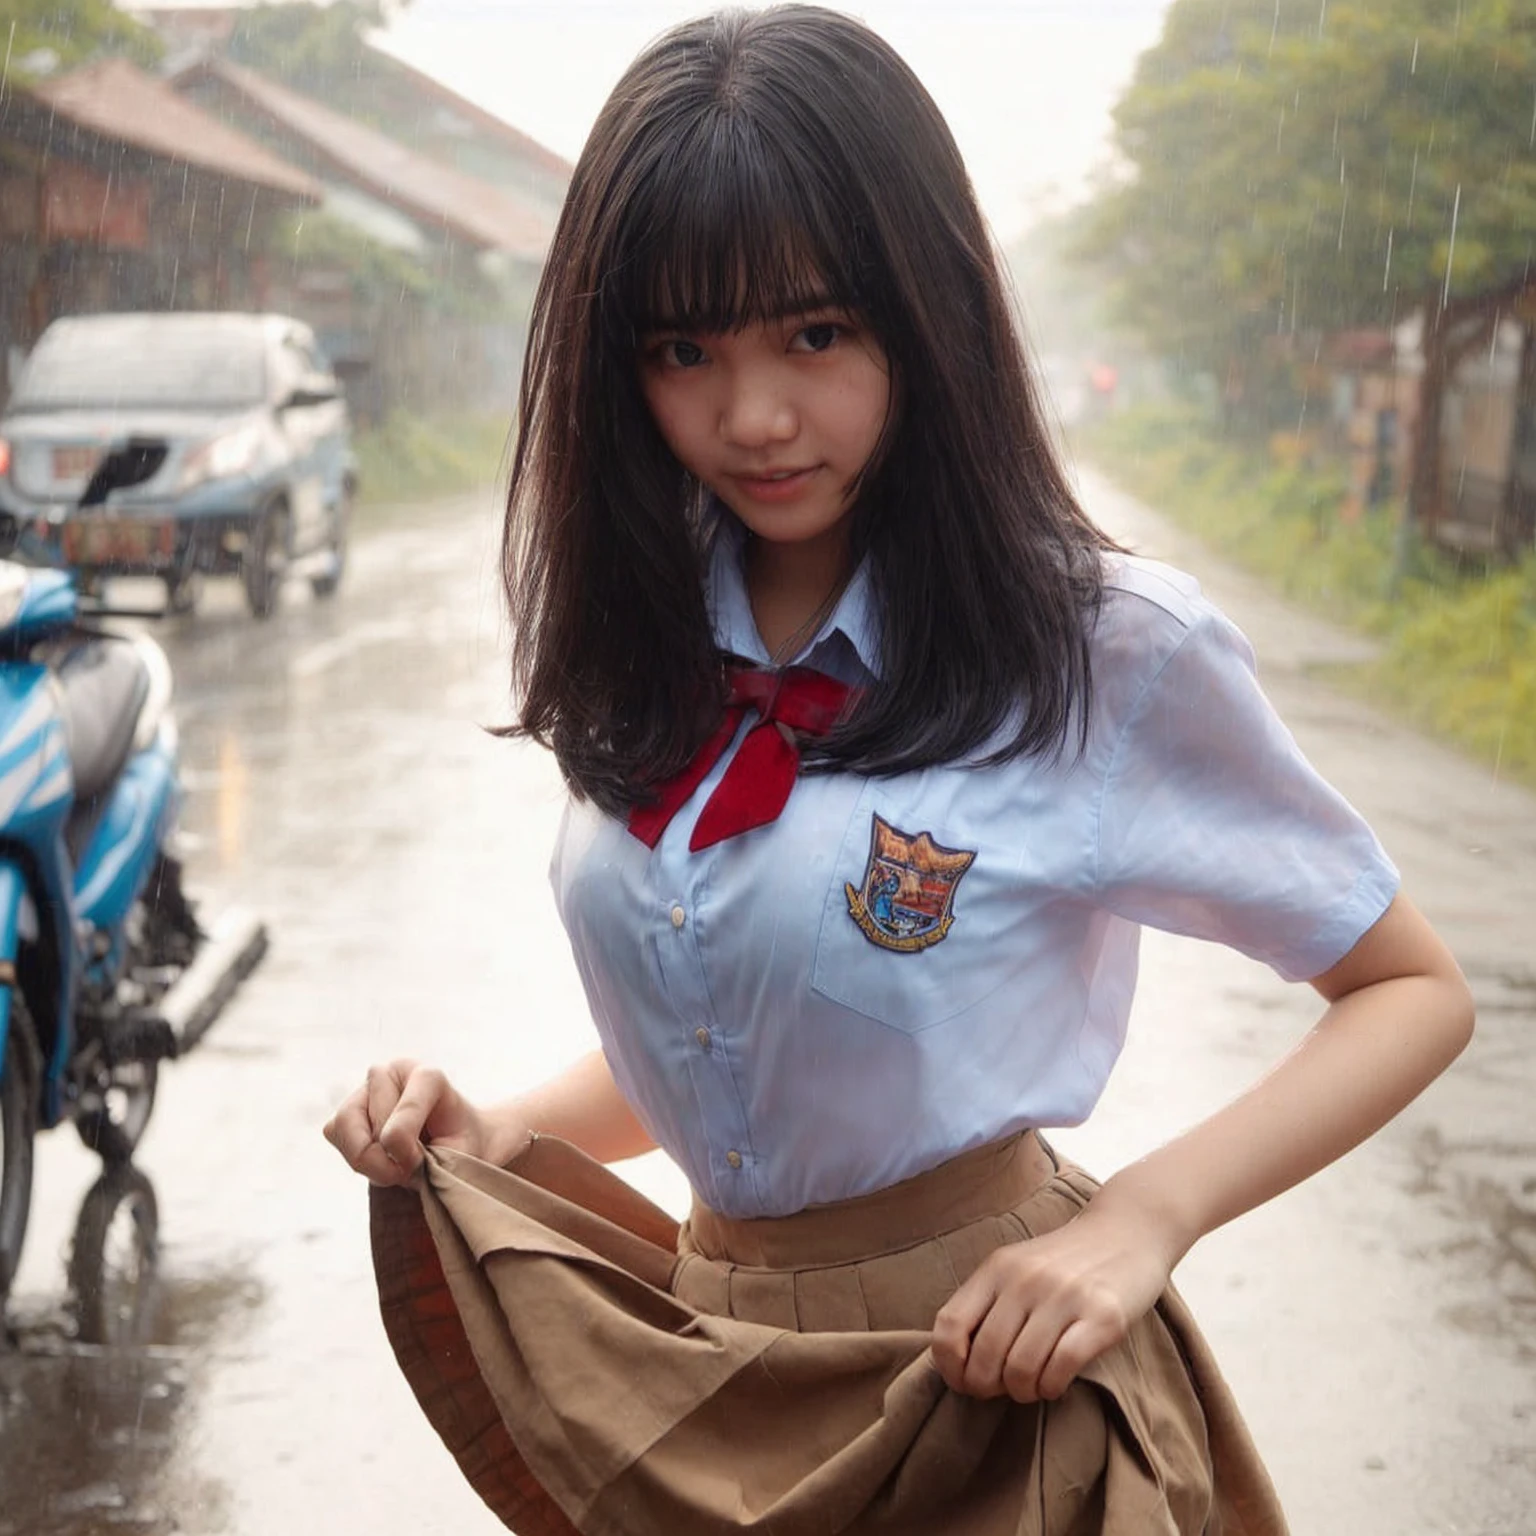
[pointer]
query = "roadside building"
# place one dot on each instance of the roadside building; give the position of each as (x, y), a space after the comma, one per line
(1484, 501)
(483, 245)
(118, 193)
(1481, 498)
(392, 96)
(1372, 406)
(445, 126)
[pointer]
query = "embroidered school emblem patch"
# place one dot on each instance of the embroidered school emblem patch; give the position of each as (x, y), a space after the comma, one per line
(907, 899)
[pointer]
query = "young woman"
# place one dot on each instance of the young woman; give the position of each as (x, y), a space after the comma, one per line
(879, 754)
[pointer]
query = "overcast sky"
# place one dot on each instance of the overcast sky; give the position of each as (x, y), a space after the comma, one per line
(1027, 85)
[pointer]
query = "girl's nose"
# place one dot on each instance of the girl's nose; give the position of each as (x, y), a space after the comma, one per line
(757, 412)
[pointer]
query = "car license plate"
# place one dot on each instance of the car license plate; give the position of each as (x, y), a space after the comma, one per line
(76, 462)
(126, 541)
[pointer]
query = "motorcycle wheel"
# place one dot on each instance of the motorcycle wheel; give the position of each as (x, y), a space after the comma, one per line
(113, 1261)
(18, 1125)
(113, 1127)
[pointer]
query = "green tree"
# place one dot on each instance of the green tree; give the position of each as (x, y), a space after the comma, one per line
(1292, 168)
(317, 50)
(39, 37)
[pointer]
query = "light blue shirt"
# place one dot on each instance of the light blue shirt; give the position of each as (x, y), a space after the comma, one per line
(900, 969)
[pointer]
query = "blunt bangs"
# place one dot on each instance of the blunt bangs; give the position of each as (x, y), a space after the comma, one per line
(730, 225)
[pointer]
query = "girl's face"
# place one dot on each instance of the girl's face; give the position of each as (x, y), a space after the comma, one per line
(777, 419)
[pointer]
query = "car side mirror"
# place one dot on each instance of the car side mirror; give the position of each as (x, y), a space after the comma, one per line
(307, 394)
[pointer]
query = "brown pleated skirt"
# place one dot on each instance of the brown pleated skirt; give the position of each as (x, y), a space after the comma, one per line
(594, 1368)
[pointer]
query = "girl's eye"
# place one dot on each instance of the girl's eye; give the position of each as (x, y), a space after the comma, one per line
(818, 337)
(679, 353)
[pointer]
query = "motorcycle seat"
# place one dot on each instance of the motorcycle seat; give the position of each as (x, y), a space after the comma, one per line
(105, 684)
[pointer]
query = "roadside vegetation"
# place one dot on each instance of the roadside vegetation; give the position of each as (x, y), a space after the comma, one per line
(415, 458)
(1458, 638)
(1330, 204)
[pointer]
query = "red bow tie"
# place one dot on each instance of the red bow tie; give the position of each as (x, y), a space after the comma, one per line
(756, 786)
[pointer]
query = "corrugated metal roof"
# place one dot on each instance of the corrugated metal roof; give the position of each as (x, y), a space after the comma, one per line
(117, 100)
(468, 208)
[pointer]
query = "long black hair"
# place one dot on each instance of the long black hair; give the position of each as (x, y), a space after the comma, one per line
(750, 165)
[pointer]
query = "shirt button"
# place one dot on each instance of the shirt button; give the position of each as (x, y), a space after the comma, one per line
(704, 1037)
(733, 1157)
(679, 917)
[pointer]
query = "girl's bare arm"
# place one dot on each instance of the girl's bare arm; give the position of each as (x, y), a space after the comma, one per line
(379, 1128)
(582, 1105)
(1035, 1313)
(1400, 1012)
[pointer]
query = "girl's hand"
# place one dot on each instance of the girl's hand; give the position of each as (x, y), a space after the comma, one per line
(1035, 1313)
(379, 1128)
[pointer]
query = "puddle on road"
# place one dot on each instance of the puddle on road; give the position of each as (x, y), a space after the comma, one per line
(91, 1435)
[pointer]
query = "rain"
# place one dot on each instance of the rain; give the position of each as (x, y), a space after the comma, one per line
(1272, 263)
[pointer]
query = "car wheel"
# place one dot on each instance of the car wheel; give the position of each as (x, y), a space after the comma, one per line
(265, 561)
(326, 581)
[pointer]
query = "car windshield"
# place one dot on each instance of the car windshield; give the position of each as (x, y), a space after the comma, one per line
(136, 361)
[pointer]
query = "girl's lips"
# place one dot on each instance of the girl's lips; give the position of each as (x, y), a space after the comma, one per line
(779, 487)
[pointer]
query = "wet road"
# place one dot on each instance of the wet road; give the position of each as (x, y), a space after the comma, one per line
(1379, 1324)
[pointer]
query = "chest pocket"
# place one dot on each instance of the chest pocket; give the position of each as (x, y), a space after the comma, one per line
(908, 918)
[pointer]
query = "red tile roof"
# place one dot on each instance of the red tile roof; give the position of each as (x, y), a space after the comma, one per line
(117, 100)
(436, 194)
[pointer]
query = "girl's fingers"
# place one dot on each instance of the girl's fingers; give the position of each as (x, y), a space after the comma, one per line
(400, 1133)
(957, 1320)
(350, 1131)
(378, 1167)
(1057, 1340)
(383, 1087)
(992, 1345)
(1019, 1329)
(1032, 1347)
(1081, 1344)
(377, 1127)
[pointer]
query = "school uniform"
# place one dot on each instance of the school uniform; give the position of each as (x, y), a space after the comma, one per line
(846, 1026)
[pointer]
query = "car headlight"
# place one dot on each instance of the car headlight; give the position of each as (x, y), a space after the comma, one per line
(222, 457)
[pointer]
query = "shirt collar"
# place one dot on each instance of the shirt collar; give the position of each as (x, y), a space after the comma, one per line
(850, 630)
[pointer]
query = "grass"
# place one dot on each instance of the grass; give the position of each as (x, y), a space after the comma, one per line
(416, 458)
(1458, 656)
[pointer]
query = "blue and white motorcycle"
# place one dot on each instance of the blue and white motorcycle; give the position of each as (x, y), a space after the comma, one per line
(105, 971)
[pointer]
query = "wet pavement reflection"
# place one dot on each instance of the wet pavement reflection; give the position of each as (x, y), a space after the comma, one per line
(1379, 1324)
(98, 1374)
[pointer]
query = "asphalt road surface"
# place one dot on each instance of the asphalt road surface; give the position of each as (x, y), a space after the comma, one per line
(1379, 1324)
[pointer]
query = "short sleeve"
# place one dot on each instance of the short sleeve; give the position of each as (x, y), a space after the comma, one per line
(1213, 824)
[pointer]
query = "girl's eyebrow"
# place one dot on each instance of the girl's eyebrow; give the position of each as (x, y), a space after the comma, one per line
(794, 309)
(812, 304)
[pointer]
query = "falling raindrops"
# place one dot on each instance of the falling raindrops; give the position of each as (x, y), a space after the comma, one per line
(1450, 255)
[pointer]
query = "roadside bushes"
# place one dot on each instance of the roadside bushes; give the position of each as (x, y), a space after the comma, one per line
(1458, 638)
(415, 458)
